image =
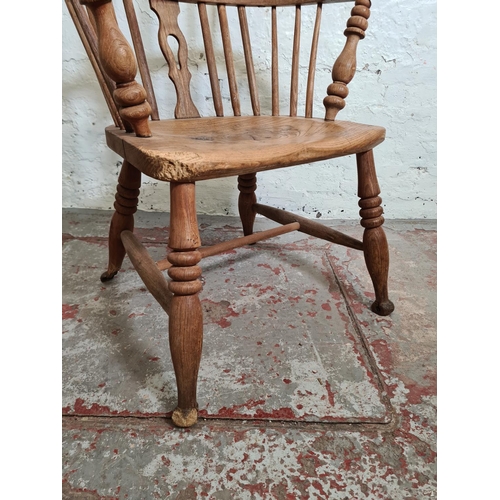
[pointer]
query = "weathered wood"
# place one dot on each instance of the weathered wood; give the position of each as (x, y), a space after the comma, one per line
(376, 250)
(147, 270)
(141, 57)
(308, 226)
(186, 321)
(126, 201)
(312, 63)
(237, 243)
(228, 56)
(247, 49)
(118, 62)
(168, 12)
(207, 148)
(89, 39)
(345, 66)
(274, 64)
(294, 84)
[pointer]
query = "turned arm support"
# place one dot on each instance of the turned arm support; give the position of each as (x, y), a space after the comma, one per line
(118, 61)
(345, 66)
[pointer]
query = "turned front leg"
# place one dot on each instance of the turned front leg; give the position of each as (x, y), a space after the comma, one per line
(185, 319)
(247, 184)
(126, 201)
(375, 248)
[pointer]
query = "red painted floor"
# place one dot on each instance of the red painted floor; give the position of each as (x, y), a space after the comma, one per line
(303, 391)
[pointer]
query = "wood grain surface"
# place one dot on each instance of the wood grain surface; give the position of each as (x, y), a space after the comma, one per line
(207, 148)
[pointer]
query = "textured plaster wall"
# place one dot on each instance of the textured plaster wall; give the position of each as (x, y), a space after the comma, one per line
(394, 86)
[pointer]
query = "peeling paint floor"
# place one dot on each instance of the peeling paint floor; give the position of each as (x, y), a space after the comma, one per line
(303, 391)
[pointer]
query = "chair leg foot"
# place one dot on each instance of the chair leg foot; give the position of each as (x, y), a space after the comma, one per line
(185, 418)
(126, 200)
(247, 184)
(186, 316)
(376, 252)
(383, 308)
(375, 248)
(108, 276)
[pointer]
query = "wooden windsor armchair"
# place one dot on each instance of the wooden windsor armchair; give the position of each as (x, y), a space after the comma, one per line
(189, 148)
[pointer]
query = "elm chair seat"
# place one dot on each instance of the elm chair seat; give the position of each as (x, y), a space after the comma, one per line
(197, 148)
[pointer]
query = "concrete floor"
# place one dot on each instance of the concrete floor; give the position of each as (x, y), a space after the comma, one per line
(303, 391)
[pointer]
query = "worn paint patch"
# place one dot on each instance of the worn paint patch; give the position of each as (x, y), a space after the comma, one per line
(69, 311)
(248, 462)
(146, 458)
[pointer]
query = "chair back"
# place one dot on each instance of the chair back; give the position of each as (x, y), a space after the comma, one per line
(116, 66)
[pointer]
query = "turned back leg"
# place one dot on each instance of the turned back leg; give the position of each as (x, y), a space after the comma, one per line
(247, 184)
(126, 201)
(375, 248)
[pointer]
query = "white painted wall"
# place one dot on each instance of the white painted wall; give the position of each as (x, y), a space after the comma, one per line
(395, 86)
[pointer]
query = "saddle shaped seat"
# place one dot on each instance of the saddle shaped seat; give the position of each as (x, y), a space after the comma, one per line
(195, 149)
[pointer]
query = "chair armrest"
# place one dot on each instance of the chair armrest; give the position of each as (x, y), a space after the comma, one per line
(345, 66)
(118, 61)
